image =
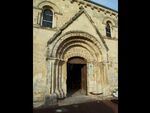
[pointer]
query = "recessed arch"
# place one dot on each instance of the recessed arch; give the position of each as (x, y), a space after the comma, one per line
(75, 40)
(80, 52)
(91, 53)
(48, 3)
(80, 43)
(76, 44)
(113, 22)
(77, 35)
(77, 59)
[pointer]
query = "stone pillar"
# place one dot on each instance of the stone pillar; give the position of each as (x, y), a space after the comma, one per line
(101, 68)
(56, 77)
(98, 78)
(50, 96)
(105, 79)
(39, 16)
(90, 77)
(105, 70)
(48, 78)
(52, 75)
(64, 78)
(60, 78)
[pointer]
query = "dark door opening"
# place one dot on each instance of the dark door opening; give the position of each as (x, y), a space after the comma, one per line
(76, 78)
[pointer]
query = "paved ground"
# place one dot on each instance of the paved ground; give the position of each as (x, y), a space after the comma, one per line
(76, 98)
(88, 107)
(77, 103)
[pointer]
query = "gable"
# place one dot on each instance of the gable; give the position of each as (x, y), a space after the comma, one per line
(81, 21)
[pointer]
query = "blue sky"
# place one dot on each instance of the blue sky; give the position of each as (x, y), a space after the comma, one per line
(113, 4)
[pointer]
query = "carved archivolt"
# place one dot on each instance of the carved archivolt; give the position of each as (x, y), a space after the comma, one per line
(80, 52)
(77, 44)
(74, 44)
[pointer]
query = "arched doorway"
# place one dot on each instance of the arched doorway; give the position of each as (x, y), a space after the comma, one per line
(85, 53)
(76, 76)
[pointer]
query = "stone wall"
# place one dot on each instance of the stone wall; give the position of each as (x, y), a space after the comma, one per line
(64, 10)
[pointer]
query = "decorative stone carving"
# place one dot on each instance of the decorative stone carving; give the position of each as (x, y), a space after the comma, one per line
(50, 61)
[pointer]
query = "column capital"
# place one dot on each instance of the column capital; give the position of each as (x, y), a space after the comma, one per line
(56, 59)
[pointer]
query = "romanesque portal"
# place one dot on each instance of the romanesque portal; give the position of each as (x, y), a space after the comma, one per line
(76, 50)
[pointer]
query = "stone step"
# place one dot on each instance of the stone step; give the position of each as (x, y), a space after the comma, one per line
(75, 100)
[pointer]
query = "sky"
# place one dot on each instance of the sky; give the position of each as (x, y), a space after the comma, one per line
(113, 4)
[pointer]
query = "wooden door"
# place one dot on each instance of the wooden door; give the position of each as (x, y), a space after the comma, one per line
(84, 79)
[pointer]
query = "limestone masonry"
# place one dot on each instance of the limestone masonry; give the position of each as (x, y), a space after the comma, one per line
(73, 32)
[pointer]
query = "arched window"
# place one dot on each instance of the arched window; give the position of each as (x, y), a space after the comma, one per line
(108, 29)
(47, 17)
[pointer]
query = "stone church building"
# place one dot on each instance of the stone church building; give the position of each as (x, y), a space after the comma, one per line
(75, 47)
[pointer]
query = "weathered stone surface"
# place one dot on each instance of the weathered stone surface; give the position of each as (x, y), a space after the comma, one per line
(78, 30)
(50, 100)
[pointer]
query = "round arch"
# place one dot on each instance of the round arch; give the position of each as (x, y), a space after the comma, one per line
(113, 22)
(76, 44)
(89, 42)
(48, 3)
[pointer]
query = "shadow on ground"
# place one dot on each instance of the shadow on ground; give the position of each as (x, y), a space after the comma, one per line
(73, 92)
(88, 107)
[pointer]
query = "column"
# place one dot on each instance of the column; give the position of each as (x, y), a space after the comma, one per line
(61, 80)
(105, 79)
(39, 15)
(48, 78)
(56, 78)
(50, 96)
(90, 77)
(98, 78)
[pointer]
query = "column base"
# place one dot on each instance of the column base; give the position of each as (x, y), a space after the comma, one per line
(60, 94)
(50, 100)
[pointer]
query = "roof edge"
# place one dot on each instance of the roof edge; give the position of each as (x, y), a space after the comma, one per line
(101, 5)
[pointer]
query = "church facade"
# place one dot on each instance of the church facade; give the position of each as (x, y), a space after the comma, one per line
(75, 46)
